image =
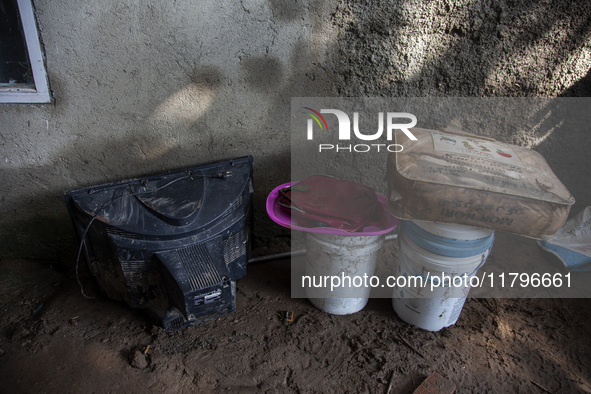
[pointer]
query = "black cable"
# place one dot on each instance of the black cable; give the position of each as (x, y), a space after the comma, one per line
(78, 259)
(221, 175)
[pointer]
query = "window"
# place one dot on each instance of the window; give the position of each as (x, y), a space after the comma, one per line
(23, 78)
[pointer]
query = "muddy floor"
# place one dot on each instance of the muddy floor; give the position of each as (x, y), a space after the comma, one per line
(54, 340)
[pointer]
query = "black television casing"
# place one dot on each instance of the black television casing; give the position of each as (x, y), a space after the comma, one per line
(172, 244)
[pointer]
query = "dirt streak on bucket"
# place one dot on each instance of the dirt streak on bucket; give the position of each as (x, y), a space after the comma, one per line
(338, 256)
(433, 251)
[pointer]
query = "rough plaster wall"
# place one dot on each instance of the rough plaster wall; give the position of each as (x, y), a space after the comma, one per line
(143, 86)
(462, 48)
(473, 48)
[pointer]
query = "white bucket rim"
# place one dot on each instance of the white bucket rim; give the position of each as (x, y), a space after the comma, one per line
(352, 239)
(445, 246)
(454, 231)
(467, 264)
(357, 247)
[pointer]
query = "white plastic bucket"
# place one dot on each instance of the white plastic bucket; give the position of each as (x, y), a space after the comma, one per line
(338, 256)
(426, 251)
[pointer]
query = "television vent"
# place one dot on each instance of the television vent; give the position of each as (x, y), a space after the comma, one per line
(235, 246)
(122, 233)
(173, 320)
(199, 267)
(235, 205)
(137, 272)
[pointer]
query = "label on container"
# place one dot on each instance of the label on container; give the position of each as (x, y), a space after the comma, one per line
(488, 150)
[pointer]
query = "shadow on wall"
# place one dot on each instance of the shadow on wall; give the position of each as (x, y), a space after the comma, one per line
(161, 143)
(567, 148)
(199, 122)
(477, 48)
(401, 48)
(469, 48)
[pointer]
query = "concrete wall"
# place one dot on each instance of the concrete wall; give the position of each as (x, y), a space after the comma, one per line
(143, 86)
(476, 48)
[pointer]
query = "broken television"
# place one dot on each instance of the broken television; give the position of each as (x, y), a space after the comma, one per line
(172, 244)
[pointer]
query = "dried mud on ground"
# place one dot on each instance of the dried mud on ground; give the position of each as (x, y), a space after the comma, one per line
(54, 340)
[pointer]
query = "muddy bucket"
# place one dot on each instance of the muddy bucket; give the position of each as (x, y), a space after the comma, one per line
(441, 258)
(338, 265)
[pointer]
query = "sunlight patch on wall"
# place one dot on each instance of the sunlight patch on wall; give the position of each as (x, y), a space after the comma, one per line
(171, 119)
(184, 107)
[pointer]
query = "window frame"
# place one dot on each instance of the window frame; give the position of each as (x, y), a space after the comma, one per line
(40, 92)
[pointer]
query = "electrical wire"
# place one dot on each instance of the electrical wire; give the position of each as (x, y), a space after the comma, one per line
(78, 259)
(298, 252)
(221, 175)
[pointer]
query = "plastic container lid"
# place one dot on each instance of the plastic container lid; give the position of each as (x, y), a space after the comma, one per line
(446, 246)
(283, 218)
(454, 231)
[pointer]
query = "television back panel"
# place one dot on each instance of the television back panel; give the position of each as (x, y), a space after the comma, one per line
(173, 244)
